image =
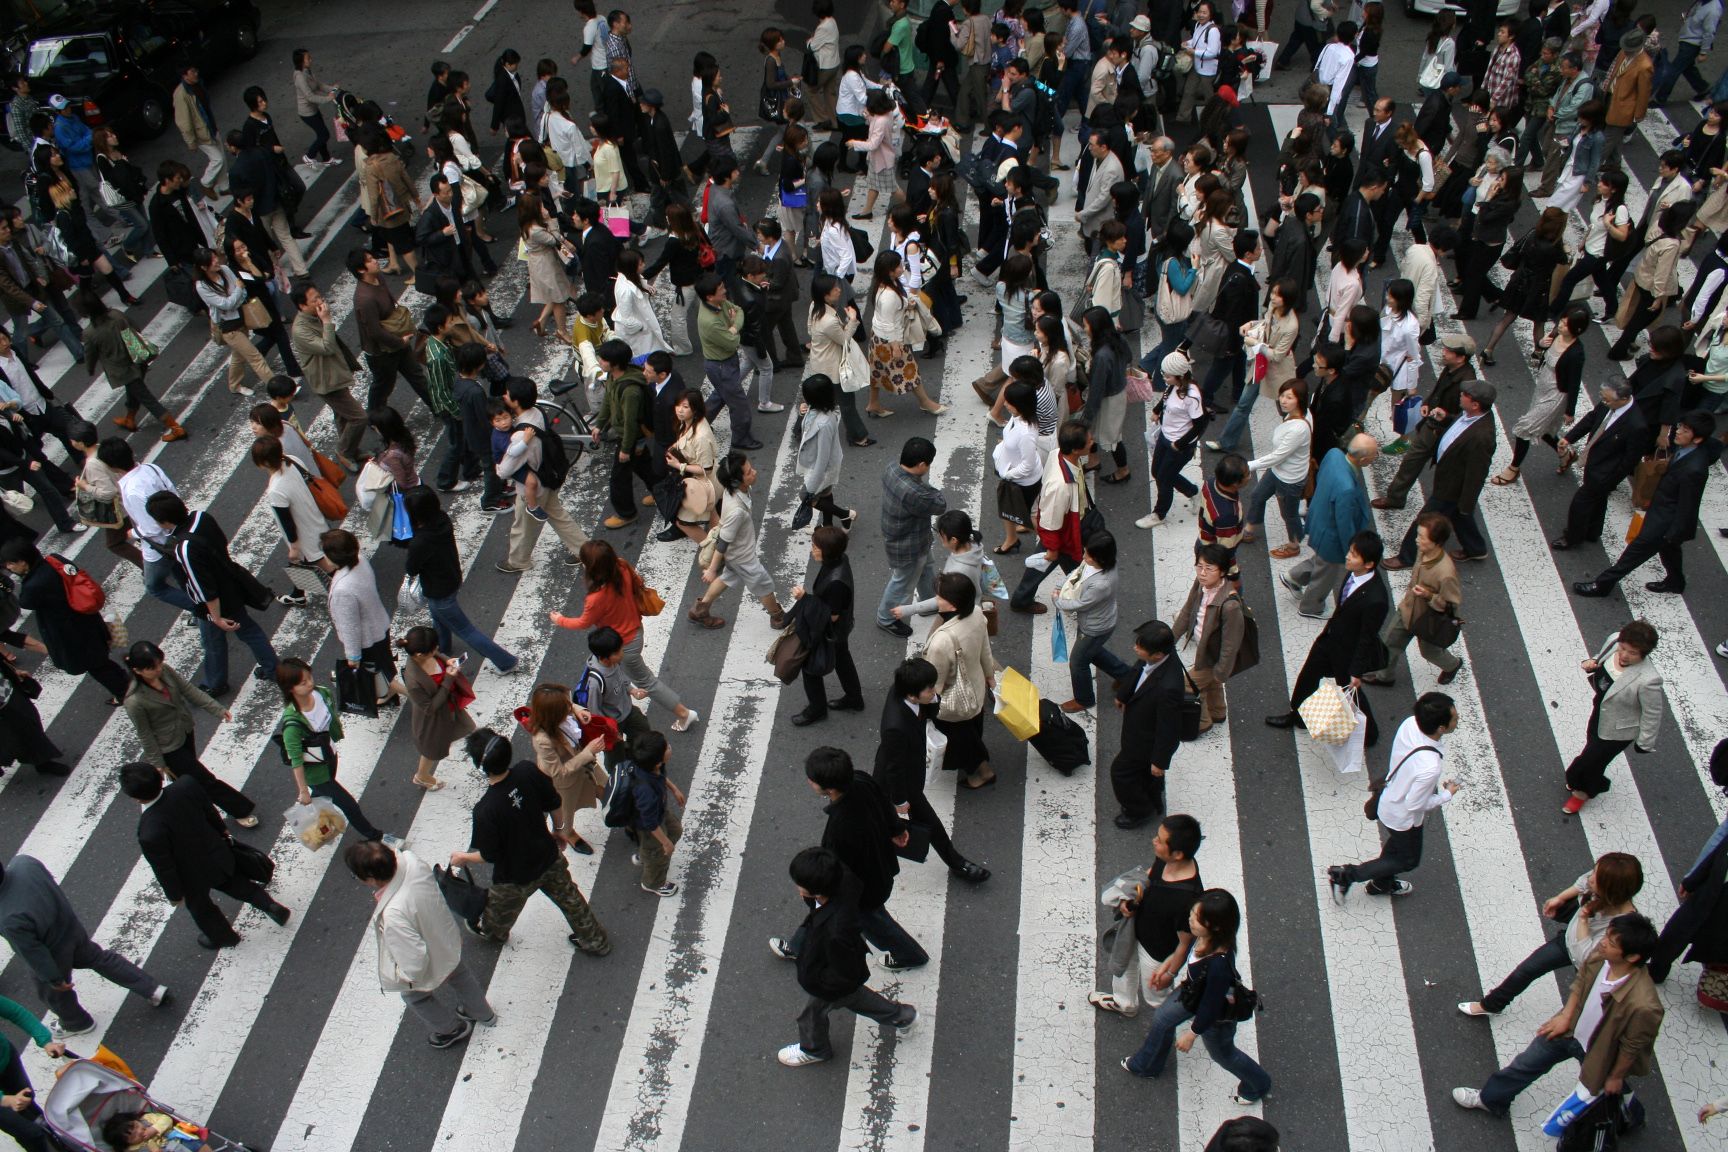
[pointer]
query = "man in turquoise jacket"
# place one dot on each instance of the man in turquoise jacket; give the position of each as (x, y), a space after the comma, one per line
(1338, 510)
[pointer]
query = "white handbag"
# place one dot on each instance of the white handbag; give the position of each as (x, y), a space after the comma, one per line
(111, 196)
(17, 503)
(854, 369)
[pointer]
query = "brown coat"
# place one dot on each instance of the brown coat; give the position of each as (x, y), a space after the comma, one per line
(1442, 577)
(579, 780)
(434, 725)
(1629, 1025)
(1220, 632)
(1629, 95)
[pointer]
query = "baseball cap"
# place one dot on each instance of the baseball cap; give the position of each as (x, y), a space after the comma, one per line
(653, 98)
(57, 102)
(1451, 80)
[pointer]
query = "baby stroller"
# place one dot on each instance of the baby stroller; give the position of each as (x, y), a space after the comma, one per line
(86, 1093)
(348, 118)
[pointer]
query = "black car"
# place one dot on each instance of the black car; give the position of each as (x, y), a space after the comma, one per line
(122, 58)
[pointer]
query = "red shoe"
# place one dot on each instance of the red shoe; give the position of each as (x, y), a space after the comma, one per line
(1573, 805)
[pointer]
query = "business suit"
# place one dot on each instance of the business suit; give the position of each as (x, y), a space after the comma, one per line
(902, 758)
(1626, 713)
(188, 849)
(1151, 731)
(1294, 257)
(442, 254)
(200, 548)
(778, 306)
(665, 422)
(1459, 473)
(618, 101)
(598, 250)
(833, 972)
(1349, 645)
(1380, 153)
(1611, 455)
(1159, 206)
(1669, 522)
(505, 96)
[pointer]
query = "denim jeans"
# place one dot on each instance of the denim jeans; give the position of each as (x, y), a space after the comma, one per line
(136, 242)
(1171, 338)
(1220, 1041)
(319, 149)
(1238, 422)
(450, 621)
(1550, 957)
(1684, 63)
(1087, 652)
(903, 581)
(1526, 1068)
(1289, 504)
(728, 393)
(249, 634)
(162, 580)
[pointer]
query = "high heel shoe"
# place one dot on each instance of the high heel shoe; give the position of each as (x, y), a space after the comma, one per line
(1488, 357)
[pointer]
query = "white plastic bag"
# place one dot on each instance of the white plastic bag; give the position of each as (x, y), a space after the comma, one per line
(410, 598)
(1350, 756)
(935, 746)
(318, 823)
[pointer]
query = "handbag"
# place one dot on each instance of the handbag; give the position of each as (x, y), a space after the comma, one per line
(1440, 629)
(17, 503)
(308, 578)
(465, 897)
(669, 496)
(1407, 414)
(769, 104)
(1371, 806)
(474, 193)
(917, 846)
(959, 701)
(1059, 641)
(398, 322)
(1328, 714)
(254, 315)
(332, 472)
(1171, 306)
(862, 249)
(410, 597)
(356, 689)
(98, 513)
(1629, 305)
(1133, 315)
(110, 195)
(1139, 390)
(1645, 477)
(1192, 711)
(138, 349)
(616, 217)
(795, 199)
(252, 863)
(648, 601)
(401, 528)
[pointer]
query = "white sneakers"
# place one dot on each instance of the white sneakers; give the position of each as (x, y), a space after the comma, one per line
(1150, 520)
(1468, 1098)
(794, 1056)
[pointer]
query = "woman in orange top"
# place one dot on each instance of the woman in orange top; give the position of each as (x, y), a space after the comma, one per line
(613, 591)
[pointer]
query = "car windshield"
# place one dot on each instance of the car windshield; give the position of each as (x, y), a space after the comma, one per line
(69, 59)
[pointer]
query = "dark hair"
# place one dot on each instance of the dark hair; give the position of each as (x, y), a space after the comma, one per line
(1222, 916)
(341, 547)
(489, 751)
(1368, 545)
(140, 781)
(1215, 555)
(1636, 935)
(1101, 546)
(1246, 1133)
(1433, 711)
(1232, 469)
(917, 450)
(265, 414)
(1641, 634)
(289, 673)
(1619, 876)
(167, 508)
(957, 588)
(1155, 637)
(956, 524)
(143, 654)
(370, 860)
(730, 471)
(1073, 435)
(917, 675)
(1022, 397)
(1183, 833)
(605, 642)
(818, 871)
(659, 360)
(116, 454)
(1703, 424)
(830, 769)
(267, 453)
(648, 749)
(818, 392)
(1244, 243)
(391, 428)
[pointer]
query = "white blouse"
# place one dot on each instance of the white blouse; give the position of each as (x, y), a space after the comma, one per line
(1016, 455)
(1400, 350)
(888, 320)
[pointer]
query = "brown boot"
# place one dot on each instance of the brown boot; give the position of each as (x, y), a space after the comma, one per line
(175, 431)
(127, 421)
(776, 614)
(699, 614)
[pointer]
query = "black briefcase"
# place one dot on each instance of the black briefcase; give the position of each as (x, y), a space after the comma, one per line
(252, 863)
(917, 847)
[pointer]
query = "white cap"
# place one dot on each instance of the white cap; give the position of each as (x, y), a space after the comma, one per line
(1176, 364)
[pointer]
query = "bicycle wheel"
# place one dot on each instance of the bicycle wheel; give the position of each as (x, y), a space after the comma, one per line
(571, 428)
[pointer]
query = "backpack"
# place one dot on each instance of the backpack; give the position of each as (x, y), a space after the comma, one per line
(583, 695)
(619, 804)
(1248, 651)
(83, 594)
(1043, 110)
(554, 460)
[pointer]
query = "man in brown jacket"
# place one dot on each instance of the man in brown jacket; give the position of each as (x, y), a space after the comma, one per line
(329, 367)
(383, 338)
(1628, 88)
(1609, 1023)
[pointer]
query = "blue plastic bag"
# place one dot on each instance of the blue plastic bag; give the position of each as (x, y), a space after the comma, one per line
(1059, 641)
(1407, 415)
(1569, 1110)
(400, 528)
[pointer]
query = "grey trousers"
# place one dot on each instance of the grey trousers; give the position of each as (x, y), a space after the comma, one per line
(106, 963)
(642, 676)
(865, 1001)
(1398, 639)
(1319, 580)
(461, 987)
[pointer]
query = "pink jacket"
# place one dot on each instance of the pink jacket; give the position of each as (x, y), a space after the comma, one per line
(881, 142)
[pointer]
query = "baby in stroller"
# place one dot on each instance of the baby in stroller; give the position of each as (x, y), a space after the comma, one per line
(151, 1132)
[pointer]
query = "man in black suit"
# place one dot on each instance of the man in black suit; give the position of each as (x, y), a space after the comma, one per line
(1672, 518)
(1158, 207)
(1359, 219)
(831, 960)
(1295, 250)
(1616, 432)
(1237, 303)
(902, 755)
(438, 237)
(1462, 461)
(660, 152)
(505, 95)
(782, 295)
(178, 230)
(1348, 647)
(618, 104)
(1434, 118)
(1151, 705)
(1380, 153)
(191, 853)
(597, 249)
(925, 164)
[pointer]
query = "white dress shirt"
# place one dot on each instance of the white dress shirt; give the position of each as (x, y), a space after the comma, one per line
(1413, 786)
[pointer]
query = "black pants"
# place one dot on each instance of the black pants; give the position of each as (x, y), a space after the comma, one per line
(1301, 36)
(112, 677)
(1478, 261)
(183, 761)
(1401, 853)
(850, 688)
(1642, 317)
(385, 367)
(1308, 679)
(919, 812)
(780, 324)
(623, 493)
(1596, 268)
(1584, 515)
(1139, 792)
(26, 1126)
(966, 749)
(1470, 537)
(1641, 549)
(1588, 772)
(22, 738)
(210, 919)
(333, 791)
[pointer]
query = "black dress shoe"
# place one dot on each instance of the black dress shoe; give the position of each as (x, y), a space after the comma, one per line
(896, 628)
(279, 913)
(1560, 544)
(217, 692)
(54, 768)
(670, 534)
(1285, 720)
(1125, 821)
(205, 942)
(974, 873)
(1592, 588)
(846, 704)
(747, 445)
(807, 717)
(1669, 586)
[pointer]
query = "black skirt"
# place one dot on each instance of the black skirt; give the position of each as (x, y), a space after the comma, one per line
(1014, 502)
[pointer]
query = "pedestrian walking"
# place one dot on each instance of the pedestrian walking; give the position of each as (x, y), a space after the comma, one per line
(1672, 518)
(1428, 610)
(1625, 713)
(220, 592)
(329, 368)
(159, 703)
(959, 649)
(1348, 647)
(438, 697)
(909, 502)
(1213, 622)
(1159, 909)
(658, 824)
(311, 727)
(434, 561)
(554, 722)
(106, 351)
(1338, 512)
(77, 641)
(1091, 592)
(510, 833)
(735, 554)
(904, 751)
(191, 853)
(1462, 460)
(1150, 700)
(419, 943)
(1283, 471)
(1064, 502)
(833, 586)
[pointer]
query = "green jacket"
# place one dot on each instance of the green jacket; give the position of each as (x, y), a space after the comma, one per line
(720, 330)
(25, 1019)
(296, 732)
(164, 723)
(623, 408)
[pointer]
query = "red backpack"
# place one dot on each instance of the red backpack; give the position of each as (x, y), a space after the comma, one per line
(83, 594)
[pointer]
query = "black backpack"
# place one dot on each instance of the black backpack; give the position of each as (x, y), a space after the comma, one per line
(620, 802)
(554, 460)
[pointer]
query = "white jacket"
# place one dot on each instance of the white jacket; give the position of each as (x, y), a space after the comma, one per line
(634, 320)
(419, 941)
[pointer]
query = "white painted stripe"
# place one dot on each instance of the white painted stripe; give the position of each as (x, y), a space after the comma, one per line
(1054, 1101)
(460, 36)
(484, 9)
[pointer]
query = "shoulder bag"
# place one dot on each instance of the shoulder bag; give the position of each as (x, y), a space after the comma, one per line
(1371, 806)
(1440, 629)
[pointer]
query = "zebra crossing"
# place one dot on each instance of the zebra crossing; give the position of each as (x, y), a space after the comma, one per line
(668, 1043)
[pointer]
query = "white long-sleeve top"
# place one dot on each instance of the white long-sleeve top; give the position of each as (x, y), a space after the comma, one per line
(566, 139)
(1016, 457)
(1288, 458)
(888, 321)
(1332, 69)
(1400, 350)
(634, 321)
(839, 258)
(1413, 788)
(1343, 292)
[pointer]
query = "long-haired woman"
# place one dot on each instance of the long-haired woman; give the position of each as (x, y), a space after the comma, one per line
(892, 366)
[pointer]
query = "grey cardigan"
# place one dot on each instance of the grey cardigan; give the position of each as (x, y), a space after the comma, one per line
(969, 564)
(1633, 705)
(819, 451)
(1094, 603)
(356, 610)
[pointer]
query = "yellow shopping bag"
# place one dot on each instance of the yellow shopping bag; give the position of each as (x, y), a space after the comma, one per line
(1017, 704)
